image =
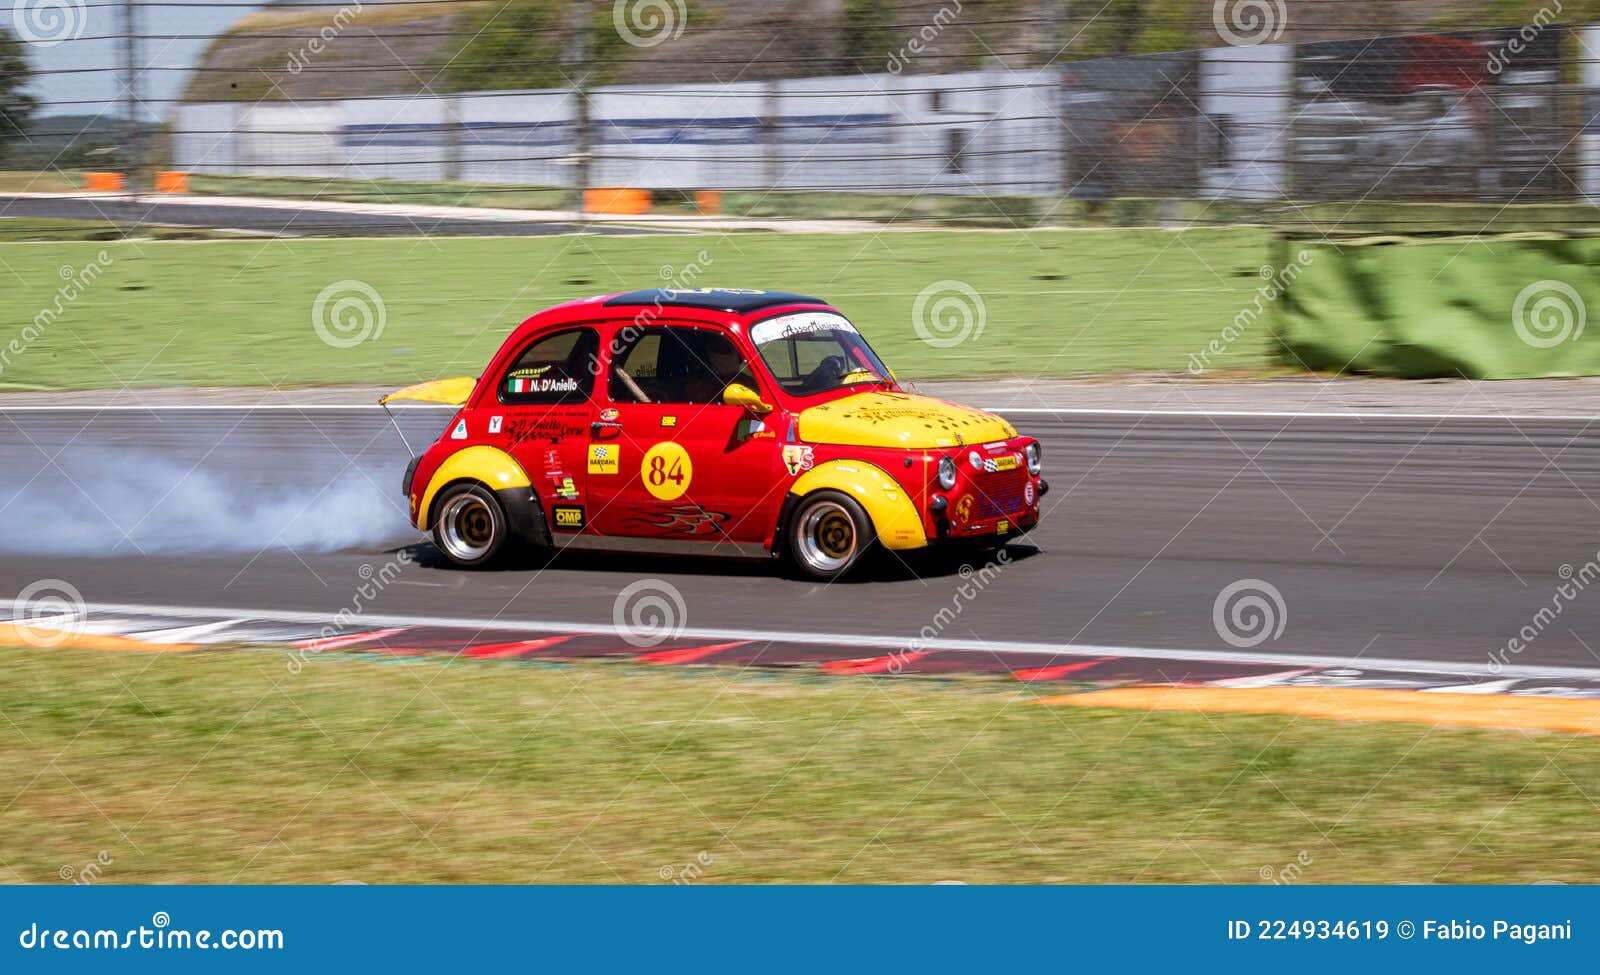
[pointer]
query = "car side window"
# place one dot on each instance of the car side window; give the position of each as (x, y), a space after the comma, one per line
(676, 364)
(556, 370)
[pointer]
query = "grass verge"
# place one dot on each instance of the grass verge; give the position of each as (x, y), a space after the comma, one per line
(223, 767)
(1054, 303)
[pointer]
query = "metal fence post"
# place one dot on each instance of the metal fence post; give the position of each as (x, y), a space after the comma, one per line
(578, 65)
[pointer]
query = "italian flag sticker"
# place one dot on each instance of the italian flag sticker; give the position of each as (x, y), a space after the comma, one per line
(516, 385)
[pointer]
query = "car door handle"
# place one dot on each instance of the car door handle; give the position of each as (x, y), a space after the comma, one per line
(598, 425)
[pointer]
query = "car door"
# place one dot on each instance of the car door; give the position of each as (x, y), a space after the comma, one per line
(540, 415)
(667, 459)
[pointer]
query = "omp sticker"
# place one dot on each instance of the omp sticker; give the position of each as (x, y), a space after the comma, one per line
(604, 458)
(666, 470)
(495, 422)
(801, 323)
(569, 517)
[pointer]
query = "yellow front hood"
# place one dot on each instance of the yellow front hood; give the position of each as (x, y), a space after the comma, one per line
(900, 420)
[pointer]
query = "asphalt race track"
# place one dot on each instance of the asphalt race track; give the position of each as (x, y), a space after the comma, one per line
(307, 220)
(1389, 537)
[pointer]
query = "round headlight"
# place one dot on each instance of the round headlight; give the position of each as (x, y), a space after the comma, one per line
(947, 473)
(1035, 458)
(975, 460)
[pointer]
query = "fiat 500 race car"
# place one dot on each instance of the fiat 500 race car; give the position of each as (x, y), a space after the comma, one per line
(716, 421)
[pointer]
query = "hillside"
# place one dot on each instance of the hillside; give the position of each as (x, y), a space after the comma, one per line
(476, 45)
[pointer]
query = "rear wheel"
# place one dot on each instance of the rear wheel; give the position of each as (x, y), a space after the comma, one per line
(471, 527)
(828, 535)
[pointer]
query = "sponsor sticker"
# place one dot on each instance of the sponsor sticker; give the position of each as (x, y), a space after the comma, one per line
(666, 470)
(566, 489)
(569, 517)
(1009, 462)
(604, 458)
(1002, 526)
(495, 423)
(609, 414)
(460, 432)
(964, 509)
(1027, 492)
(802, 323)
(669, 421)
(798, 458)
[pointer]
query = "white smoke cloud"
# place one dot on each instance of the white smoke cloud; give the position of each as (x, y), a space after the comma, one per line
(104, 501)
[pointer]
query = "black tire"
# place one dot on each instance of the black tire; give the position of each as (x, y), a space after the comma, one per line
(828, 534)
(469, 525)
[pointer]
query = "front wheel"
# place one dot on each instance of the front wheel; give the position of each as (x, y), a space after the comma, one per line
(828, 534)
(471, 526)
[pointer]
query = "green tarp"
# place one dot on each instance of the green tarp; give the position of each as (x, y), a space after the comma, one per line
(1506, 307)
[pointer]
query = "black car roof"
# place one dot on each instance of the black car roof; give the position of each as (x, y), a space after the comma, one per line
(721, 299)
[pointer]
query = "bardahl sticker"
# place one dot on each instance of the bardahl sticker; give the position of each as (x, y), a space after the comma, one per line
(604, 458)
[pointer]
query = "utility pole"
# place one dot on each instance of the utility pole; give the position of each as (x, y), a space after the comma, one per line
(1061, 42)
(579, 63)
(130, 100)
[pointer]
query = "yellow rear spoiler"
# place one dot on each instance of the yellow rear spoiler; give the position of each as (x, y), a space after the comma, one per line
(451, 392)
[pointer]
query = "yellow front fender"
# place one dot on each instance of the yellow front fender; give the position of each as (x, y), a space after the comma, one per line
(492, 466)
(893, 515)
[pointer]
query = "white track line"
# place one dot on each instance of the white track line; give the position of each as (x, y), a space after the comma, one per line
(1008, 410)
(869, 642)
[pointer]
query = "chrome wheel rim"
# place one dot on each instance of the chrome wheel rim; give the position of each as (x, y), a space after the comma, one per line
(466, 527)
(827, 537)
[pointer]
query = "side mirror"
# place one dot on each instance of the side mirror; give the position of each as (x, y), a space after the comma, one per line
(738, 394)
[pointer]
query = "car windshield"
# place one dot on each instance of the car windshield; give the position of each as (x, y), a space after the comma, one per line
(814, 352)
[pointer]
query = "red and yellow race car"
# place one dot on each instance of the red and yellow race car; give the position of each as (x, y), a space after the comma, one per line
(714, 421)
